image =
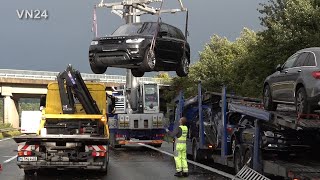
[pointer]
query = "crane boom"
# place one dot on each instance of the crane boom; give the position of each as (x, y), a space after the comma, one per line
(71, 85)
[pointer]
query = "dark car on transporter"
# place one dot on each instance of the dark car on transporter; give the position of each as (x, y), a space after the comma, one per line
(284, 143)
(130, 47)
(297, 82)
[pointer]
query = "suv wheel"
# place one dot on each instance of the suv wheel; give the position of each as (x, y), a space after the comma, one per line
(247, 159)
(149, 61)
(237, 161)
(268, 103)
(137, 73)
(233, 145)
(302, 106)
(183, 69)
(96, 69)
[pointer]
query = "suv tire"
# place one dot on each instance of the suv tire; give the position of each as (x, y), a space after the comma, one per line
(302, 105)
(149, 60)
(268, 103)
(183, 68)
(237, 161)
(137, 73)
(96, 69)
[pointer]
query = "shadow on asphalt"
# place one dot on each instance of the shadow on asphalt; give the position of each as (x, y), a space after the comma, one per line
(50, 174)
(121, 154)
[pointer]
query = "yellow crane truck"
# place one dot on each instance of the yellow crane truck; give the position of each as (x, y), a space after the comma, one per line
(74, 131)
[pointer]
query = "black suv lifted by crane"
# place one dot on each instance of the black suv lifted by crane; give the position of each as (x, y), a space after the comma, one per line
(130, 47)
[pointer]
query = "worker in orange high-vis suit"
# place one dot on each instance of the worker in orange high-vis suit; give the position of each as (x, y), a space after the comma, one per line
(180, 151)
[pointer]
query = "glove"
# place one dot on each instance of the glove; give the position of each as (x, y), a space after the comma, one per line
(167, 130)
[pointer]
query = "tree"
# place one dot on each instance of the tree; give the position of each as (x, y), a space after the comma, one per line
(221, 63)
(165, 77)
(243, 65)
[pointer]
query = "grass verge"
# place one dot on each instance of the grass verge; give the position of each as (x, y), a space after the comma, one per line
(9, 134)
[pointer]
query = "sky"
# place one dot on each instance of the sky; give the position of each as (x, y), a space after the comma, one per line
(64, 37)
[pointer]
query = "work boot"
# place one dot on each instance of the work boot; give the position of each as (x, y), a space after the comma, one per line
(185, 174)
(178, 174)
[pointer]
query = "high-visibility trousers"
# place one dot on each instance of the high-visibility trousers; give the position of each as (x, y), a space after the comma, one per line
(180, 157)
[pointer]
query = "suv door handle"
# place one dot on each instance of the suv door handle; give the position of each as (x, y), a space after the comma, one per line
(299, 70)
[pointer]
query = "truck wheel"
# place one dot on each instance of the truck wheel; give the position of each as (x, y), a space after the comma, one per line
(247, 157)
(149, 60)
(302, 105)
(237, 161)
(268, 103)
(97, 70)
(137, 73)
(183, 68)
(113, 141)
(29, 172)
(195, 152)
(232, 146)
(105, 166)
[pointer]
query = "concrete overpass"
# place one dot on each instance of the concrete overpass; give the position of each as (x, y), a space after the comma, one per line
(16, 84)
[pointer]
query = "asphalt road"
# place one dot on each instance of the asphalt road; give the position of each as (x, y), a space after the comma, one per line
(130, 163)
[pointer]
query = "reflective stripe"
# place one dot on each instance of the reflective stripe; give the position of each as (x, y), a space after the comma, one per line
(183, 137)
(180, 141)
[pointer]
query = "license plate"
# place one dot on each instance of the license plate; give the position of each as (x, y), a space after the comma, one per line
(27, 158)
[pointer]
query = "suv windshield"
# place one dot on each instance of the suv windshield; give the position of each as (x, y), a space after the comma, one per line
(147, 28)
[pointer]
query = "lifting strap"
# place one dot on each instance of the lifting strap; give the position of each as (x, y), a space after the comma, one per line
(153, 42)
(95, 24)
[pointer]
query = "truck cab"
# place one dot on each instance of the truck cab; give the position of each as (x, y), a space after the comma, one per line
(141, 125)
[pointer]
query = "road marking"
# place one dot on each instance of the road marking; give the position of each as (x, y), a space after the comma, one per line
(194, 163)
(10, 159)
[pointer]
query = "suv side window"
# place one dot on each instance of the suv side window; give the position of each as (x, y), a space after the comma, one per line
(173, 32)
(176, 33)
(152, 28)
(165, 28)
(180, 34)
(310, 61)
(301, 59)
(289, 63)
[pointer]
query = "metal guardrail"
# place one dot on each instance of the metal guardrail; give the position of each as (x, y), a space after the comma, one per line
(247, 173)
(47, 75)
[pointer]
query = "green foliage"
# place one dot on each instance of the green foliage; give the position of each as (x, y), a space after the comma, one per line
(242, 65)
(164, 76)
(5, 125)
(11, 133)
(25, 104)
(1, 110)
(221, 63)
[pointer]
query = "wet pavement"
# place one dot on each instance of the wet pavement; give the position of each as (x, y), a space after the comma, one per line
(129, 163)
